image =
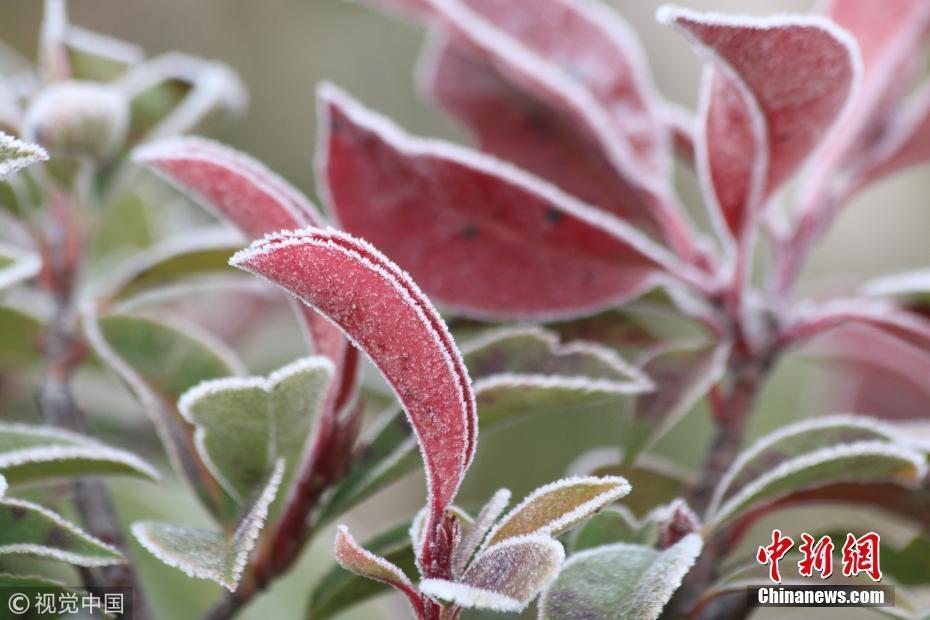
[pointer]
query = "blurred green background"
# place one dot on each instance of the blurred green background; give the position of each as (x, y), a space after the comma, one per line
(282, 49)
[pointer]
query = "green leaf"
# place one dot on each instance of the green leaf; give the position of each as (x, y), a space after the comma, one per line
(642, 580)
(526, 371)
(203, 253)
(31, 453)
(814, 454)
(159, 361)
(682, 375)
(16, 154)
(245, 424)
(533, 351)
(339, 589)
(504, 577)
(559, 506)
(207, 554)
(20, 334)
(16, 265)
(27, 528)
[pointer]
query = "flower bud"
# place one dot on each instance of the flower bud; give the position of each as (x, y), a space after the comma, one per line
(78, 119)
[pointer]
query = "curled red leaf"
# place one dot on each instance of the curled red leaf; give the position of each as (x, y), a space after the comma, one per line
(773, 89)
(384, 313)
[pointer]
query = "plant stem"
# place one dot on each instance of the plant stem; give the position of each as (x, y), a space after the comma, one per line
(731, 413)
(63, 350)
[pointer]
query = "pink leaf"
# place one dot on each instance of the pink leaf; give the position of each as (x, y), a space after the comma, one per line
(813, 320)
(489, 240)
(890, 35)
(384, 313)
(905, 143)
(772, 90)
(257, 201)
(877, 374)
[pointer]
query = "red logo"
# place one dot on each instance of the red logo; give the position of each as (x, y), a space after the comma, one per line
(860, 555)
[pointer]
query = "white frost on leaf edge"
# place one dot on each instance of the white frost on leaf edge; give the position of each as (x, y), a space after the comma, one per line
(556, 348)
(690, 546)
(465, 595)
(472, 540)
(906, 283)
(413, 146)
(210, 387)
(917, 460)
(620, 487)
(239, 546)
(16, 154)
(47, 454)
(344, 536)
(414, 298)
(24, 266)
(253, 171)
(3, 486)
(59, 554)
(799, 428)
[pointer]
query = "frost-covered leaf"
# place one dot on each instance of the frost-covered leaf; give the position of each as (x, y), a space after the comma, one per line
(912, 287)
(173, 93)
(38, 453)
(244, 424)
(875, 374)
(207, 554)
(810, 320)
(484, 227)
(585, 116)
(533, 351)
(3, 486)
(655, 480)
(890, 36)
(27, 528)
(16, 266)
(642, 580)
(229, 183)
(339, 589)
(352, 557)
(16, 154)
(243, 191)
(381, 309)
(21, 582)
(98, 57)
(203, 253)
(814, 454)
(505, 577)
(558, 506)
(682, 376)
(772, 90)
(159, 361)
(472, 538)
(19, 338)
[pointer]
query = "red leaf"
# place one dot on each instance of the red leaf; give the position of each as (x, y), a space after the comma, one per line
(483, 238)
(905, 143)
(570, 79)
(773, 89)
(878, 374)
(814, 320)
(243, 191)
(529, 132)
(384, 313)
(890, 36)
